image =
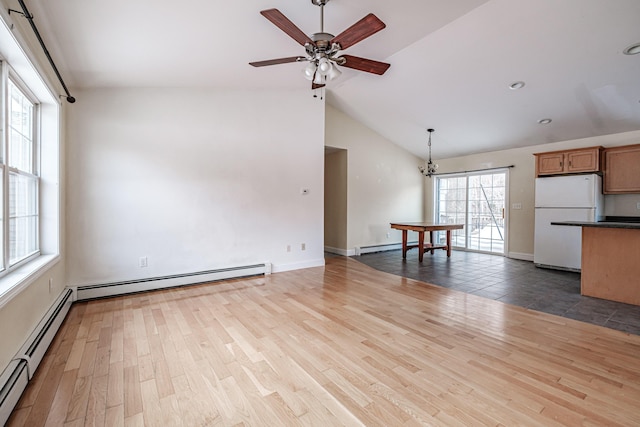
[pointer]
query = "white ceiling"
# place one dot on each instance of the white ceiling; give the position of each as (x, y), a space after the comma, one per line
(451, 61)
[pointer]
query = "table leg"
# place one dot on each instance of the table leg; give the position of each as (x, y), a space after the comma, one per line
(431, 240)
(404, 244)
(420, 245)
(448, 243)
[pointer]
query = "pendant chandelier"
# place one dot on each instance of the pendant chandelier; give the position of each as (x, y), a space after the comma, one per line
(431, 167)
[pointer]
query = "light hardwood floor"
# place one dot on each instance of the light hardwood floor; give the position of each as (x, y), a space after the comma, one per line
(340, 345)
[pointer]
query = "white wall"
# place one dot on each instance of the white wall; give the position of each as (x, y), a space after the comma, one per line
(522, 180)
(193, 180)
(384, 184)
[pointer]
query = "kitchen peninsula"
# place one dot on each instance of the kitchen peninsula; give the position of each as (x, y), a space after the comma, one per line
(610, 259)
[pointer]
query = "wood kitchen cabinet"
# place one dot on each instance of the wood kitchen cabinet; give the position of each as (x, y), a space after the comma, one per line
(610, 265)
(622, 169)
(578, 160)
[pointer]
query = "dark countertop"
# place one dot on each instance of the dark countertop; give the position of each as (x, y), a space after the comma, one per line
(601, 224)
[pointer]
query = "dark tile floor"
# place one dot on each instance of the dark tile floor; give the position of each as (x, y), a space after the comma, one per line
(511, 281)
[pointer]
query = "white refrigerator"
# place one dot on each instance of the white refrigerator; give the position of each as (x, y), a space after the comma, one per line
(564, 198)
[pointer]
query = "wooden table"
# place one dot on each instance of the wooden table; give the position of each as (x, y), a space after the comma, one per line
(420, 228)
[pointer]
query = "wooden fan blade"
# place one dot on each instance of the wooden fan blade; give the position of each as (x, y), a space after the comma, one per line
(316, 86)
(278, 61)
(282, 22)
(359, 31)
(367, 65)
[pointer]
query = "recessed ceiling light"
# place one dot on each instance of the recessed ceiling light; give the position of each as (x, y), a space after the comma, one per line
(516, 85)
(544, 121)
(634, 49)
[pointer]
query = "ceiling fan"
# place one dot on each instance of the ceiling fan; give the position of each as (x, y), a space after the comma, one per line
(322, 49)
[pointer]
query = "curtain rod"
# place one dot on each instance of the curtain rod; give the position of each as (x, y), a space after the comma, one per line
(476, 170)
(29, 16)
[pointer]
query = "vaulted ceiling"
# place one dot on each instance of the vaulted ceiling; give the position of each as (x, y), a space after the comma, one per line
(452, 62)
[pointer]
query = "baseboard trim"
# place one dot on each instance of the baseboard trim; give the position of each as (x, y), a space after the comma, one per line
(338, 251)
(361, 250)
(86, 292)
(279, 268)
(520, 255)
(16, 376)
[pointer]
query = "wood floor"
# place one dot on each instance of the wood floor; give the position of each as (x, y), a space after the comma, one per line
(340, 345)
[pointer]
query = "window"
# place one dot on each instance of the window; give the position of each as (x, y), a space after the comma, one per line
(30, 205)
(19, 178)
(478, 201)
(23, 178)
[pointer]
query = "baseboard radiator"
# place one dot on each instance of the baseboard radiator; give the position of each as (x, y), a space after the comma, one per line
(15, 377)
(87, 292)
(361, 250)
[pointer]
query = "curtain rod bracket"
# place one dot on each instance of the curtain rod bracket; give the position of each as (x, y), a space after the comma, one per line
(20, 13)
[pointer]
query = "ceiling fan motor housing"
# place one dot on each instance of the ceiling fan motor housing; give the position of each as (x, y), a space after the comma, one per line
(322, 45)
(322, 40)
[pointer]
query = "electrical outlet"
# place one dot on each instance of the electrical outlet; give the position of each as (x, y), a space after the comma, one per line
(638, 205)
(516, 206)
(143, 262)
(388, 235)
(50, 284)
(303, 247)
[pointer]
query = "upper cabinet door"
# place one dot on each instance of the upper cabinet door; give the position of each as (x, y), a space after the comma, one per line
(550, 163)
(583, 161)
(622, 169)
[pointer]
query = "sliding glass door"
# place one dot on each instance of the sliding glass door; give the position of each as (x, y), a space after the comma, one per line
(478, 201)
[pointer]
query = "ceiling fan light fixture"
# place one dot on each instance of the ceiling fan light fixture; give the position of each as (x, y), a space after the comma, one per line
(324, 66)
(334, 72)
(318, 79)
(309, 71)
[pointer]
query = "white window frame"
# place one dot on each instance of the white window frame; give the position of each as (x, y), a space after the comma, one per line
(8, 74)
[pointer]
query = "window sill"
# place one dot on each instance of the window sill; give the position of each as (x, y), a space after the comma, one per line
(16, 281)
